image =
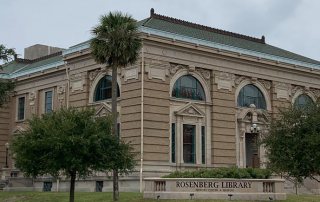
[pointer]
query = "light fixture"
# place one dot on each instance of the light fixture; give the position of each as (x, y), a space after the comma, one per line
(255, 128)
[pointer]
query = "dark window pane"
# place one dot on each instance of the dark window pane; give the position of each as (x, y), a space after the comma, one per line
(118, 128)
(250, 94)
(103, 90)
(21, 103)
(302, 100)
(173, 142)
(188, 87)
(189, 155)
(48, 102)
(203, 144)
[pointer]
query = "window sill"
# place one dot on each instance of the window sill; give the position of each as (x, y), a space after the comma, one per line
(20, 121)
(188, 101)
(190, 165)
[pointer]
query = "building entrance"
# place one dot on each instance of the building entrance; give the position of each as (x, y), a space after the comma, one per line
(252, 151)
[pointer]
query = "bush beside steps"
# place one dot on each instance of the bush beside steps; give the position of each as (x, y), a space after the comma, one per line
(233, 172)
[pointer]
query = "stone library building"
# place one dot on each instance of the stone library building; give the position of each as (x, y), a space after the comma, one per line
(198, 97)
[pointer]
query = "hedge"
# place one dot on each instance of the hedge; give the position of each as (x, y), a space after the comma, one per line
(233, 172)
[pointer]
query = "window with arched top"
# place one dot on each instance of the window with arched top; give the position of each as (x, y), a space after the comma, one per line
(188, 87)
(250, 94)
(103, 89)
(302, 100)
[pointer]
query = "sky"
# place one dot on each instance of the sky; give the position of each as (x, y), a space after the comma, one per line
(289, 24)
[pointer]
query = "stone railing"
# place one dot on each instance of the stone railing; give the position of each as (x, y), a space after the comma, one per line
(214, 188)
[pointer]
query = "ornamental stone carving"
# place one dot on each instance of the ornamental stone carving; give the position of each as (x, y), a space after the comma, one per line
(190, 110)
(131, 73)
(239, 79)
(297, 88)
(77, 82)
(205, 73)
(93, 74)
(61, 90)
(265, 83)
(32, 97)
(315, 92)
(175, 67)
(225, 80)
(157, 69)
(283, 90)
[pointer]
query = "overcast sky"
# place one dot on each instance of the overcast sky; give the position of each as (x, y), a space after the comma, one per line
(289, 24)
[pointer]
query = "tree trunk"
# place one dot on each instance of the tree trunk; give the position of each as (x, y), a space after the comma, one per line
(115, 127)
(72, 185)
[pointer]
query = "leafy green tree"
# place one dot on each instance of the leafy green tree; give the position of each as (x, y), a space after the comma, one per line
(6, 86)
(293, 143)
(6, 54)
(72, 142)
(115, 43)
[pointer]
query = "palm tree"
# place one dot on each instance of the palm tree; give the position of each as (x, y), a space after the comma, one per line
(116, 43)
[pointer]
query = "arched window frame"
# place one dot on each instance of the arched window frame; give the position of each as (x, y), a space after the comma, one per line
(259, 86)
(299, 93)
(257, 97)
(201, 80)
(96, 81)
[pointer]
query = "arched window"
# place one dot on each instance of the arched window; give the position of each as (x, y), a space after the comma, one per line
(103, 89)
(188, 87)
(250, 94)
(302, 100)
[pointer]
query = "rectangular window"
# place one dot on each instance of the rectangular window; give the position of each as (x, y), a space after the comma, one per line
(189, 144)
(118, 128)
(203, 144)
(173, 142)
(21, 105)
(48, 102)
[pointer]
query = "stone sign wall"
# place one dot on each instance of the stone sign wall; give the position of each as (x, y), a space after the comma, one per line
(214, 188)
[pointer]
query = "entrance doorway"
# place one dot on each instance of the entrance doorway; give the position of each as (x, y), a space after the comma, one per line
(252, 151)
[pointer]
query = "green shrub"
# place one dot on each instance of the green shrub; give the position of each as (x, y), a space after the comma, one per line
(233, 172)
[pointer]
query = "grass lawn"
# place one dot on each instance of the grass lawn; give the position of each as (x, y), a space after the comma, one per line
(94, 196)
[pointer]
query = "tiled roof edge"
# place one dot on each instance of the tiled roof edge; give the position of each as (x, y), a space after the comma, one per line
(161, 33)
(206, 28)
(27, 61)
(4, 76)
(33, 70)
(76, 48)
